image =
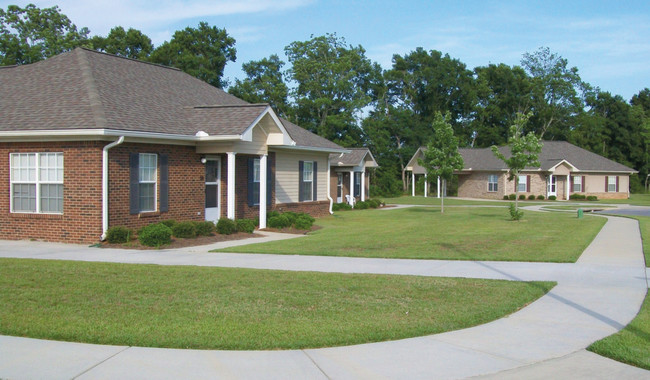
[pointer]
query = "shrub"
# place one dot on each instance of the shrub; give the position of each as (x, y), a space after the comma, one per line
(169, 222)
(226, 226)
(245, 225)
(505, 197)
(540, 197)
(303, 222)
(184, 230)
(118, 235)
(374, 203)
(271, 214)
(552, 197)
(514, 213)
(291, 216)
(512, 197)
(531, 197)
(592, 198)
(205, 228)
(279, 221)
(577, 196)
(522, 197)
(341, 207)
(155, 235)
(361, 205)
(305, 215)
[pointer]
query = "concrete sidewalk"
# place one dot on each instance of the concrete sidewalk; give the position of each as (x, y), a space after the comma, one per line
(594, 298)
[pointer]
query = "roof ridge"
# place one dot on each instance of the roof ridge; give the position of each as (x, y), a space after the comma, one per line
(93, 94)
(229, 105)
(127, 58)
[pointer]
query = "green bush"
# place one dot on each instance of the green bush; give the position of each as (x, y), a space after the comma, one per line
(592, 198)
(291, 216)
(184, 230)
(374, 203)
(155, 235)
(577, 196)
(245, 225)
(305, 215)
(512, 197)
(205, 228)
(118, 235)
(341, 207)
(271, 214)
(505, 197)
(552, 197)
(280, 221)
(303, 222)
(361, 205)
(169, 222)
(522, 197)
(514, 213)
(226, 226)
(540, 197)
(531, 197)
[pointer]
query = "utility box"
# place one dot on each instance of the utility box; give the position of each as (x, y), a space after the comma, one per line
(580, 213)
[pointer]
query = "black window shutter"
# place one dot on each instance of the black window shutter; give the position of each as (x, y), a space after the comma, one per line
(314, 177)
(269, 183)
(251, 185)
(164, 183)
(606, 184)
(583, 187)
(134, 185)
(301, 165)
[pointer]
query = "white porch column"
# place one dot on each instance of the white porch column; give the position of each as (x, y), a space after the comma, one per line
(438, 187)
(263, 190)
(425, 185)
(363, 185)
(566, 187)
(549, 187)
(412, 184)
(231, 185)
(352, 188)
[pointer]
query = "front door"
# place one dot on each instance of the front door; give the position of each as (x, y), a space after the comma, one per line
(339, 188)
(551, 186)
(212, 189)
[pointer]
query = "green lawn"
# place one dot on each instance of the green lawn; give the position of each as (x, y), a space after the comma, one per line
(240, 309)
(635, 199)
(451, 201)
(632, 344)
(461, 233)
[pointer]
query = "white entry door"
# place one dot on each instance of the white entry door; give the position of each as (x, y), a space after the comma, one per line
(551, 186)
(339, 188)
(212, 189)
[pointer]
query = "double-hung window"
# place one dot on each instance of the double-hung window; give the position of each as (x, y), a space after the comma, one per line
(577, 184)
(522, 181)
(357, 184)
(307, 186)
(147, 179)
(493, 183)
(612, 184)
(36, 182)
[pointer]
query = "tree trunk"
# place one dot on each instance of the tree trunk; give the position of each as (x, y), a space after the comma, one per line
(442, 197)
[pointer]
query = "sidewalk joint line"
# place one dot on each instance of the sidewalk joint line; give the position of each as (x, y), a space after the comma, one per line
(316, 364)
(100, 363)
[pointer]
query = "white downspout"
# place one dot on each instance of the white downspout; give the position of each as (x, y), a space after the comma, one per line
(329, 196)
(105, 185)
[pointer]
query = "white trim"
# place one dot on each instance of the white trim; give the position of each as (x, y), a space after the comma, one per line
(263, 189)
(438, 194)
(105, 185)
(154, 182)
(37, 182)
(425, 185)
(351, 190)
(311, 181)
(308, 148)
(552, 169)
(329, 196)
(412, 183)
(231, 185)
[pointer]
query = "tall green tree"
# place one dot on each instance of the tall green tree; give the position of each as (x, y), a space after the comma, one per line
(201, 52)
(441, 157)
(558, 93)
(333, 84)
(131, 43)
(264, 83)
(31, 34)
(524, 152)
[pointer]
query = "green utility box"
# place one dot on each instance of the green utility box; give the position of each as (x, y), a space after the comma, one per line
(580, 213)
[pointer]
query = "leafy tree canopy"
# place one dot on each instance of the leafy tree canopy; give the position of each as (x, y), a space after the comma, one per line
(31, 34)
(130, 44)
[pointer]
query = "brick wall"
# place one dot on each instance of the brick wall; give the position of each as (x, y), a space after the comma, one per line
(186, 185)
(82, 187)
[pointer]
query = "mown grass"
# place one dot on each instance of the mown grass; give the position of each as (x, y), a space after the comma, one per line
(466, 233)
(635, 199)
(240, 309)
(449, 201)
(630, 345)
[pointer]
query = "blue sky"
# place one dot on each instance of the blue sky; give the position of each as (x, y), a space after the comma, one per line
(609, 41)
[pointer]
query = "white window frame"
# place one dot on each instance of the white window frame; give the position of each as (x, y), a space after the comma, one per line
(493, 186)
(256, 170)
(305, 165)
(611, 181)
(149, 180)
(524, 183)
(577, 180)
(40, 176)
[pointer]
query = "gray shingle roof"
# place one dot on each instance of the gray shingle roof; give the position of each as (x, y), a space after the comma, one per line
(553, 152)
(84, 89)
(353, 158)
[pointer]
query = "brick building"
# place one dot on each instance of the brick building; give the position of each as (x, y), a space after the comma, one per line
(90, 140)
(350, 171)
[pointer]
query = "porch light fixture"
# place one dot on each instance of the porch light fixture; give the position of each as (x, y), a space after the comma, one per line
(203, 160)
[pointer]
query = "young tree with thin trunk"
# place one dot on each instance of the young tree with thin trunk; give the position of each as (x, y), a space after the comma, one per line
(441, 158)
(524, 152)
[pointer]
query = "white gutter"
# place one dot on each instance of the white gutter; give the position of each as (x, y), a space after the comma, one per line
(329, 196)
(105, 185)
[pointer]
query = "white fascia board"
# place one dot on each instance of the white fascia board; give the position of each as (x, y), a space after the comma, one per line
(248, 133)
(309, 148)
(608, 171)
(98, 133)
(552, 169)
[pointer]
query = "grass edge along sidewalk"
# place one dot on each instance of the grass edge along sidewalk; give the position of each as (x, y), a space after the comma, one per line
(240, 309)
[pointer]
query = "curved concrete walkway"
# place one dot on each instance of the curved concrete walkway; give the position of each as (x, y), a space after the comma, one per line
(594, 298)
